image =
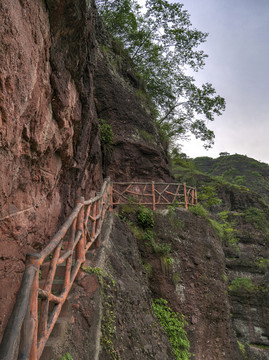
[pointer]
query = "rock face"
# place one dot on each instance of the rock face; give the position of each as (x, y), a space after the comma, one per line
(49, 136)
(121, 101)
(194, 285)
(49, 141)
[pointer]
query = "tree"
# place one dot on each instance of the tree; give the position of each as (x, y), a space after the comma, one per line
(161, 44)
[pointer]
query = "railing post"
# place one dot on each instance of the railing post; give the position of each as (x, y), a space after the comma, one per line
(34, 259)
(185, 195)
(111, 196)
(80, 249)
(196, 200)
(153, 195)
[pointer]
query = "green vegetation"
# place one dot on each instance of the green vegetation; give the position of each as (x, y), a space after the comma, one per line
(239, 170)
(257, 217)
(67, 356)
(262, 263)
(240, 284)
(148, 268)
(224, 228)
(173, 324)
(160, 44)
(242, 348)
(106, 133)
(108, 326)
(176, 278)
(260, 346)
(145, 217)
(166, 264)
(199, 210)
(207, 195)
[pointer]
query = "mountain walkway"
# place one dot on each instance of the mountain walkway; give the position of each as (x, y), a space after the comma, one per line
(39, 302)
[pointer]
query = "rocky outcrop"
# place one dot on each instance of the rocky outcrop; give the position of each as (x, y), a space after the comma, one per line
(248, 271)
(121, 100)
(49, 141)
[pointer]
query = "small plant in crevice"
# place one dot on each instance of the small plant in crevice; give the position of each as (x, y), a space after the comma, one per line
(106, 134)
(148, 268)
(67, 356)
(166, 264)
(173, 323)
(242, 349)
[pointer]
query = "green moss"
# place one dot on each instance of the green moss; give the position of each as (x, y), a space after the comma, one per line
(173, 324)
(242, 348)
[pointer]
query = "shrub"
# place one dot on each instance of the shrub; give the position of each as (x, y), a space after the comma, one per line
(173, 324)
(256, 217)
(106, 134)
(199, 210)
(208, 196)
(145, 217)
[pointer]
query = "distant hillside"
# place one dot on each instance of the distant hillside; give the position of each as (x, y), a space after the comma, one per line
(239, 170)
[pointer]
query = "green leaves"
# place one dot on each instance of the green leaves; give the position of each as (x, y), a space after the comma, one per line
(173, 324)
(162, 43)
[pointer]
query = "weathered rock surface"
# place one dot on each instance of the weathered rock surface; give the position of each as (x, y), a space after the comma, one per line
(194, 285)
(137, 153)
(49, 143)
(125, 305)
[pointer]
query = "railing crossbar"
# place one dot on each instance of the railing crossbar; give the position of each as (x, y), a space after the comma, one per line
(69, 245)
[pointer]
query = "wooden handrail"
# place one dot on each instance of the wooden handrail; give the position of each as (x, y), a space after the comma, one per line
(37, 308)
(154, 194)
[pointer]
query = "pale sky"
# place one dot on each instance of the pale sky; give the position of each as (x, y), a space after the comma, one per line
(237, 67)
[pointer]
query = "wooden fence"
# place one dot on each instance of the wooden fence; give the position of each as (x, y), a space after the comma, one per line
(155, 195)
(38, 306)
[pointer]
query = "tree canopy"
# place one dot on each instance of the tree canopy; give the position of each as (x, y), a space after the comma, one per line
(162, 44)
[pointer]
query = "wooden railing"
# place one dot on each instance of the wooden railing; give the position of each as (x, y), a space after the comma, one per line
(155, 195)
(38, 306)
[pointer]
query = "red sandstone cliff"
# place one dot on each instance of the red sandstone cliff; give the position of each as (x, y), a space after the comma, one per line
(49, 143)
(49, 137)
